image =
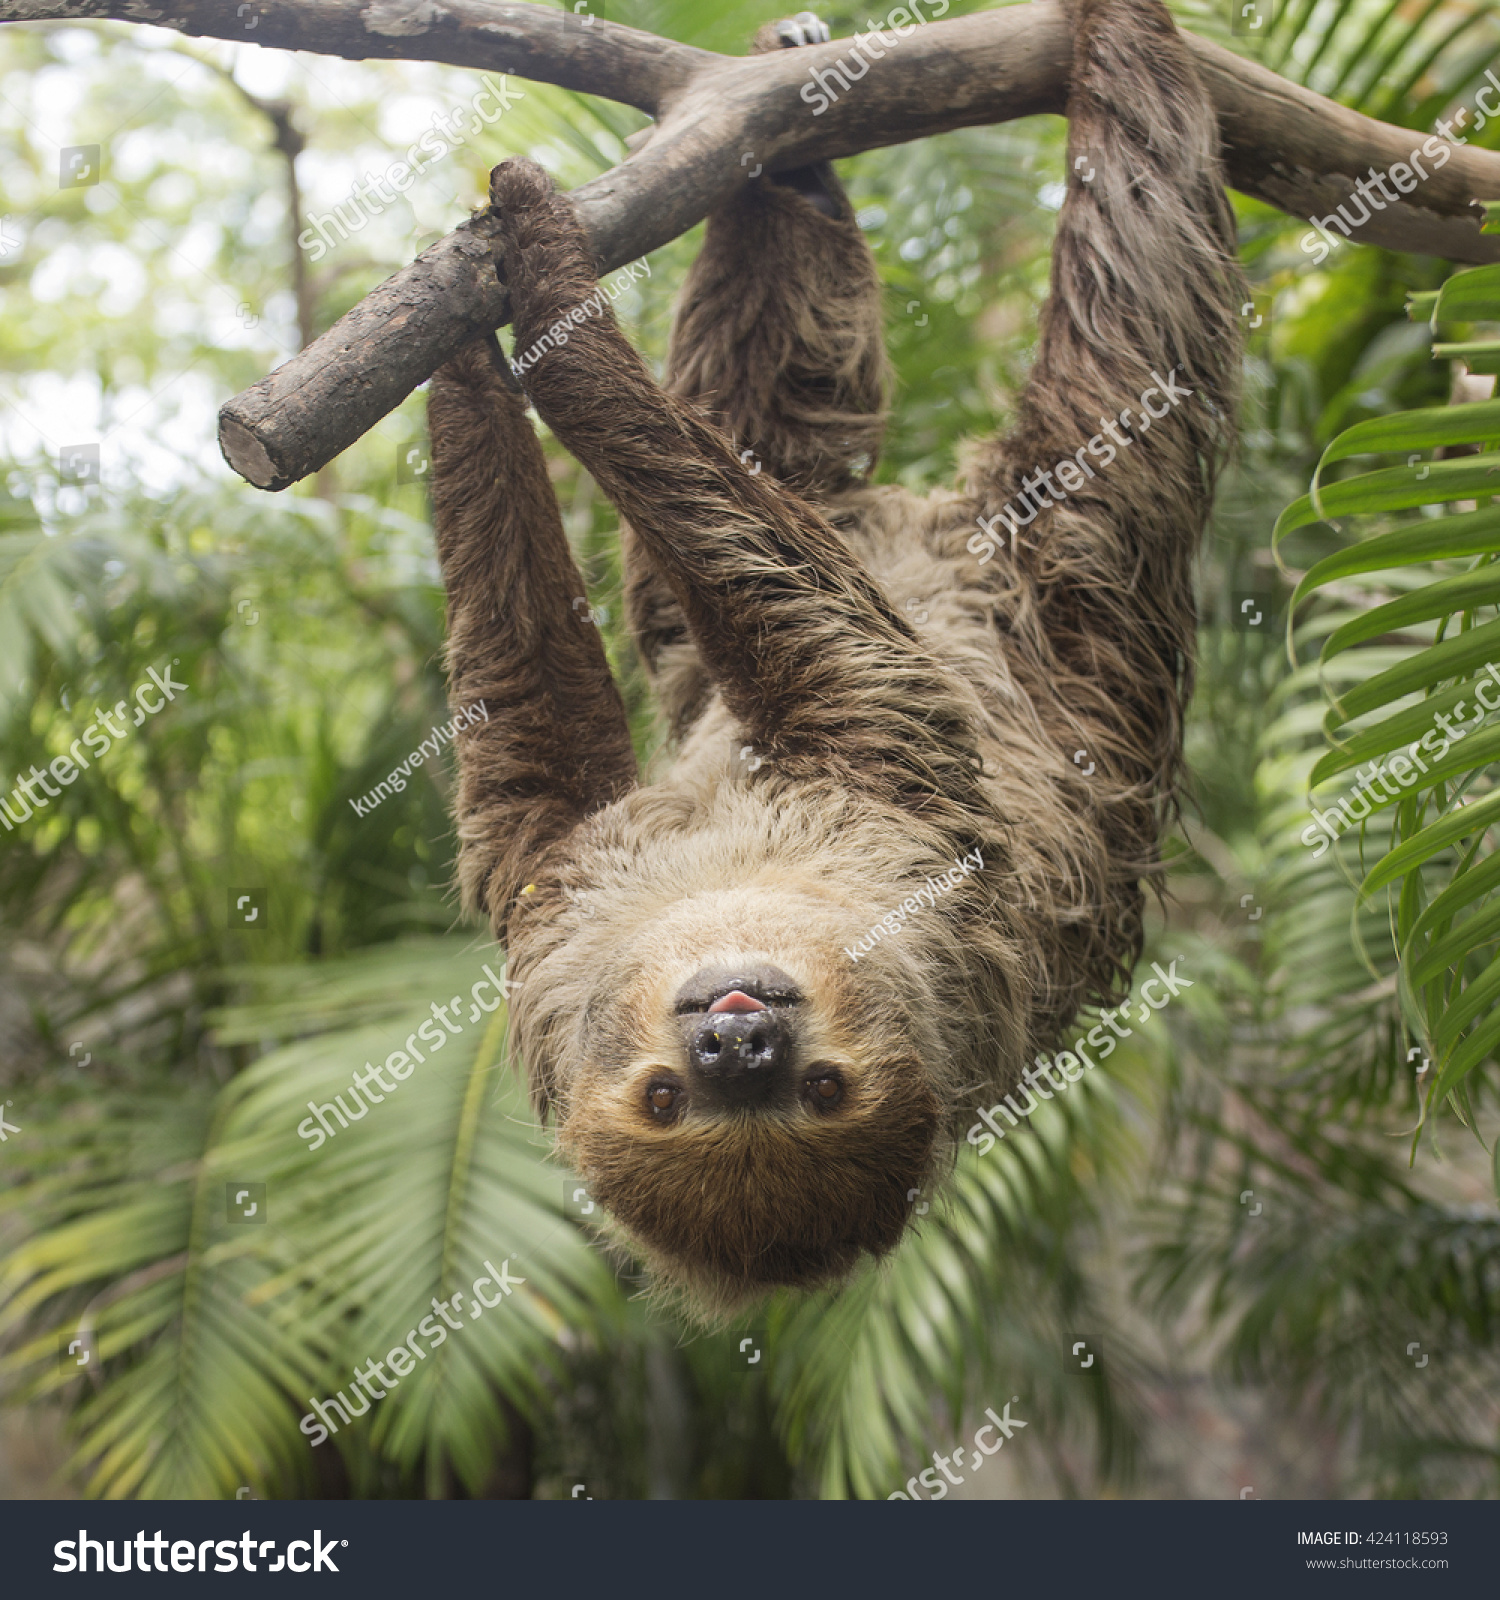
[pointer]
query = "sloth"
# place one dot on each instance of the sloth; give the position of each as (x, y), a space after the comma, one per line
(919, 750)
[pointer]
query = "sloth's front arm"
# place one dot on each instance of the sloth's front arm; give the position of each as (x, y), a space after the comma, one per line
(803, 643)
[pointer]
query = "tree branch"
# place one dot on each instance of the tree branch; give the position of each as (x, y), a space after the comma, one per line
(1282, 144)
(532, 41)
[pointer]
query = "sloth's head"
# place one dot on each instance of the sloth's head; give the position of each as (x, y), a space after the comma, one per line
(748, 1102)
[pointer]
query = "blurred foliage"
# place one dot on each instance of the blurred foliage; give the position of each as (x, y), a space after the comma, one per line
(154, 1054)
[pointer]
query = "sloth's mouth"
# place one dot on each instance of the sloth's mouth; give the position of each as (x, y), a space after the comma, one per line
(718, 991)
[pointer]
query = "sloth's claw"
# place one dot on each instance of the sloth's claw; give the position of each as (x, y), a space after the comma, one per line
(805, 28)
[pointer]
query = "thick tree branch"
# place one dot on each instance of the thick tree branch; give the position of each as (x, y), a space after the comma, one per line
(532, 41)
(716, 117)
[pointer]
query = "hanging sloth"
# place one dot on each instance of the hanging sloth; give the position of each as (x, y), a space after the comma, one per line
(922, 748)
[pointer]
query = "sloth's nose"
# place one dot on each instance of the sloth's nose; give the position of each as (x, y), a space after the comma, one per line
(741, 1056)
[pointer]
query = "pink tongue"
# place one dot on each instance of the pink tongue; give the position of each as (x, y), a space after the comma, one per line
(735, 1000)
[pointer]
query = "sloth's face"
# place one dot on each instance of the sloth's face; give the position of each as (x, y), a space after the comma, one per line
(748, 1106)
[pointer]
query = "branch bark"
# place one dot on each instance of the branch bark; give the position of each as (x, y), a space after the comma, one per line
(715, 116)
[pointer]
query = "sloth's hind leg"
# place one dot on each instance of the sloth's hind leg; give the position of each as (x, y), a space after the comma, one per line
(1099, 497)
(777, 339)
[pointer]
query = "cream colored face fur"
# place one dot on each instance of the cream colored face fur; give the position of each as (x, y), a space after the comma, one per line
(727, 1201)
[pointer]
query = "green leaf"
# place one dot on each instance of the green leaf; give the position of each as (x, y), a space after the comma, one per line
(1395, 489)
(1470, 533)
(1466, 592)
(1416, 430)
(1437, 663)
(1461, 823)
(1468, 885)
(1393, 733)
(1476, 1047)
(1455, 945)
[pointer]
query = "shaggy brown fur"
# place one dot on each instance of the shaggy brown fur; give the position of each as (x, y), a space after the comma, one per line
(772, 610)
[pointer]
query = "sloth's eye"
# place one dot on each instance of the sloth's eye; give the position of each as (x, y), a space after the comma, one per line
(662, 1100)
(825, 1091)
